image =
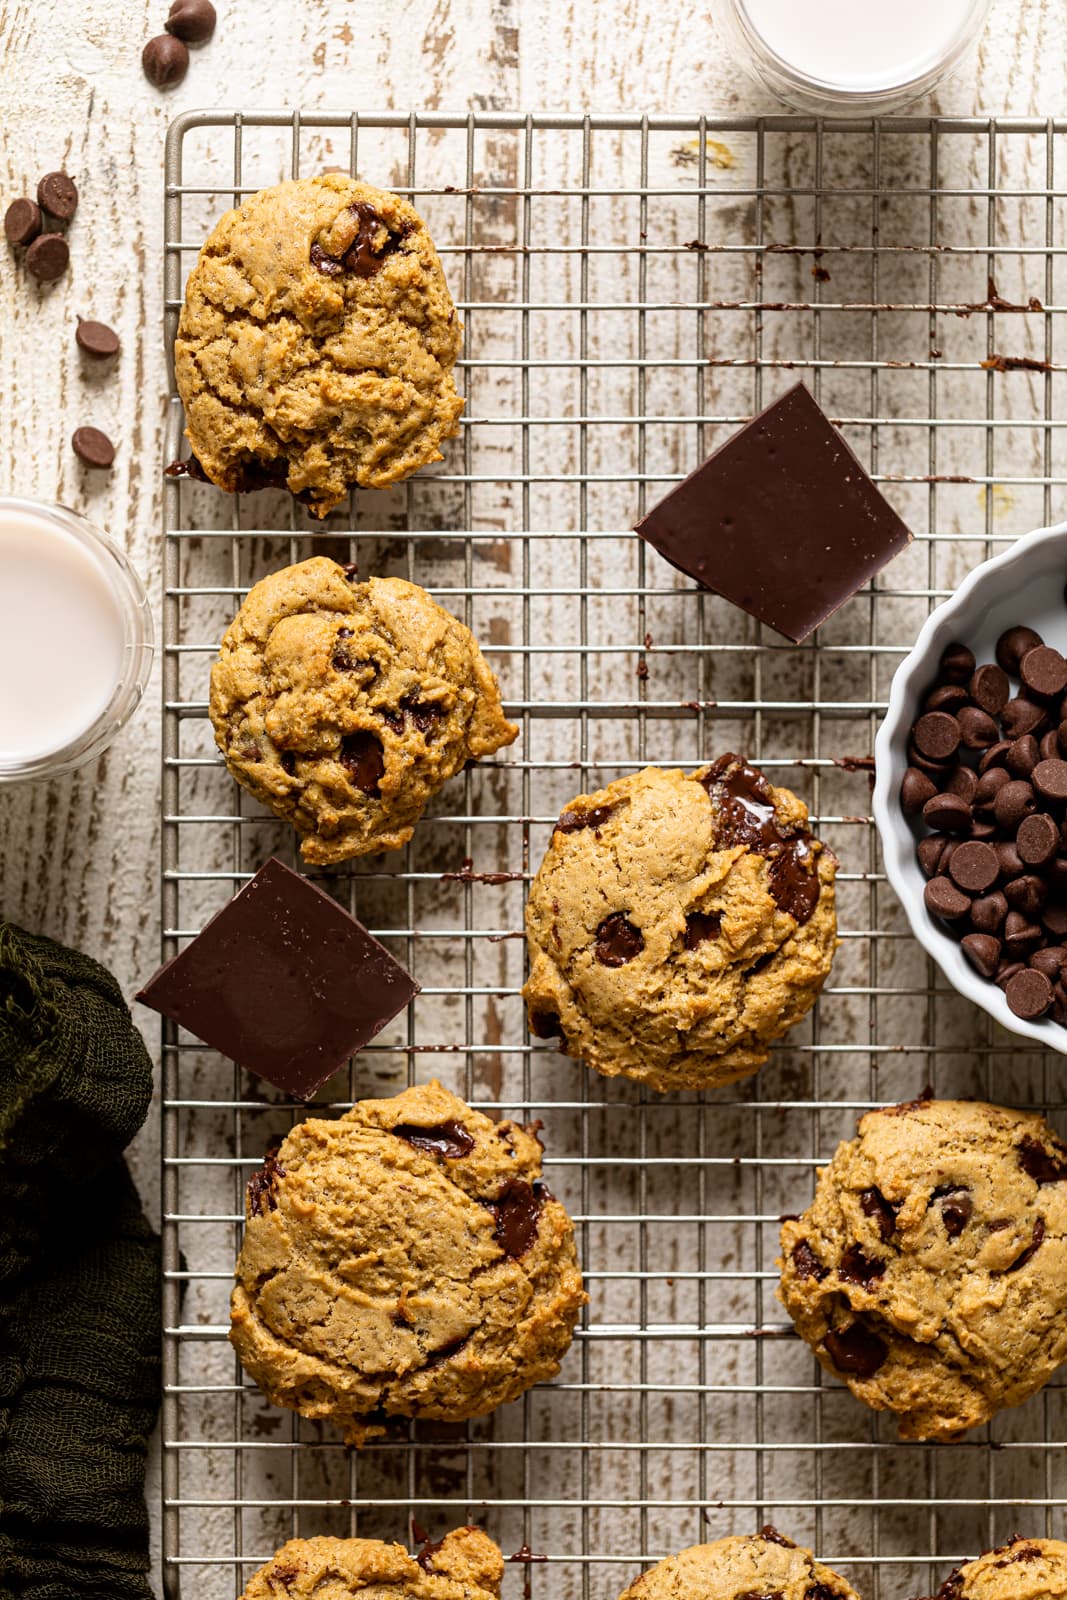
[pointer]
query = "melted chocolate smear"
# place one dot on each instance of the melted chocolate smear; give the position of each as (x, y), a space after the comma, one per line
(422, 713)
(392, 719)
(525, 1554)
(925, 1095)
(772, 1536)
(761, 1594)
(256, 473)
(449, 1139)
(1036, 1240)
(746, 815)
(545, 1025)
(952, 1587)
(617, 941)
(289, 763)
(807, 1262)
(361, 258)
(856, 1349)
(820, 1591)
(873, 1203)
(855, 1267)
(1042, 1165)
(427, 1553)
(262, 1184)
(329, 266)
(956, 1209)
(190, 468)
(362, 758)
(436, 1358)
(701, 925)
(595, 817)
(518, 1209)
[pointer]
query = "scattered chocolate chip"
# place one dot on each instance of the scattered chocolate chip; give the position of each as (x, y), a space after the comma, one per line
(191, 20)
(1044, 1166)
(977, 729)
(47, 257)
(856, 1349)
(1028, 993)
(944, 900)
(1037, 839)
(92, 447)
(937, 735)
(873, 1203)
(982, 951)
(617, 941)
(988, 911)
(58, 195)
(97, 340)
(518, 1209)
(165, 61)
(363, 757)
(1023, 756)
(948, 812)
(22, 221)
(915, 790)
(1044, 672)
(572, 821)
(700, 926)
(856, 1267)
(1013, 645)
(806, 1262)
(989, 688)
(957, 1207)
(957, 663)
(448, 1139)
(974, 866)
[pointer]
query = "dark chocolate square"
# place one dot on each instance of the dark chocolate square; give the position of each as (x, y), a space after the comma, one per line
(782, 519)
(283, 981)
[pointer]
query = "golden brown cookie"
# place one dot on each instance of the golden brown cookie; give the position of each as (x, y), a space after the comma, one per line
(763, 1566)
(930, 1270)
(678, 924)
(316, 344)
(346, 706)
(1022, 1569)
(407, 1260)
(464, 1565)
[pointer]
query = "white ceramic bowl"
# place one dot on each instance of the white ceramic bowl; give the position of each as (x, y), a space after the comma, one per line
(1025, 584)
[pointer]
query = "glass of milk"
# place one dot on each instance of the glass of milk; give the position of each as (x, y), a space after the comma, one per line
(853, 57)
(75, 640)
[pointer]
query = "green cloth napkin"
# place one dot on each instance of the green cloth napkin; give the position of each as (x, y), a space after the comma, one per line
(79, 1281)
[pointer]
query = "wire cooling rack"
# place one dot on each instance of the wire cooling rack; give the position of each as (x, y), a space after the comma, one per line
(633, 289)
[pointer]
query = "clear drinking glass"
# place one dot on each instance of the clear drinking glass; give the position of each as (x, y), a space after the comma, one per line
(77, 640)
(852, 58)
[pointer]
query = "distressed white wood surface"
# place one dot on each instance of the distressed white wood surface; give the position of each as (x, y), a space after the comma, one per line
(79, 858)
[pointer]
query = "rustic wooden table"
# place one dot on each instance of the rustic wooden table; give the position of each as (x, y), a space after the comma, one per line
(79, 857)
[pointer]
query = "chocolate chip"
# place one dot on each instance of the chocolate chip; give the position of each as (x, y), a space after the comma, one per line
(22, 222)
(1054, 918)
(1026, 894)
(165, 61)
(1028, 993)
(545, 1025)
(856, 1349)
(990, 689)
(48, 257)
(772, 1536)
(943, 899)
(1013, 645)
(974, 866)
(856, 1267)
(915, 790)
(930, 851)
(329, 266)
(937, 735)
(58, 195)
(982, 951)
(1044, 1166)
(988, 786)
(1014, 802)
(946, 697)
(1050, 779)
(964, 782)
(700, 926)
(1007, 970)
(873, 1203)
(957, 663)
(363, 758)
(989, 911)
(1058, 1012)
(1050, 745)
(1023, 756)
(1020, 936)
(806, 1262)
(1037, 839)
(262, 1186)
(448, 1139)
(1050, 961)
(289, 763)
(1044, 672)
(92, 447)
(995, 756)
(191, 20)
(1011, 862)
(572, 821)
(423, 713)
(957, 1207)
(938, 770)
(518, 1209)
(1056, 875)
(977, 729)
(617, 941)
(983, 828)
(1037, 1238)
(948, 812)
(97, 340)
(1021, 715)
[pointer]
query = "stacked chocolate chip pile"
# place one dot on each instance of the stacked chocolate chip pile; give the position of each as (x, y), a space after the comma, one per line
(987, 774)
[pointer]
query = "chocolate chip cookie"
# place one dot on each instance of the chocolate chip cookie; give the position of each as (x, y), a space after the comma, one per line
(316, 344)
(930, 1270)
(763, 1566)
(407, 1260)
(464, 1565)
(679, 923)
(345, 706)
(1022, 1569)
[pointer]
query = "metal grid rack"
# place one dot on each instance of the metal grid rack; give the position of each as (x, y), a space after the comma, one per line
(633, 288)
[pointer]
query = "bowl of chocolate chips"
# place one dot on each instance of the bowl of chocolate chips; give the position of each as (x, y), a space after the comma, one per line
(970, 792)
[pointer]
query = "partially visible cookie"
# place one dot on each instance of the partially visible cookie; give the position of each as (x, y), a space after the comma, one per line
(407, 1260)
(345, 706)
(930, 1270)
(316, 344)
(464, 1565)
(764, 1565)
(1022, 1569)
(679, 924)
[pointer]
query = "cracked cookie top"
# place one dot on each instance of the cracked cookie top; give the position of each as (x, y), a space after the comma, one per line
(406, 1259)
(679, 923)
(464, 1565)
(763, 1566)
(1022, 1569)
(345, 706)
(930, 1270)
(316, 344)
